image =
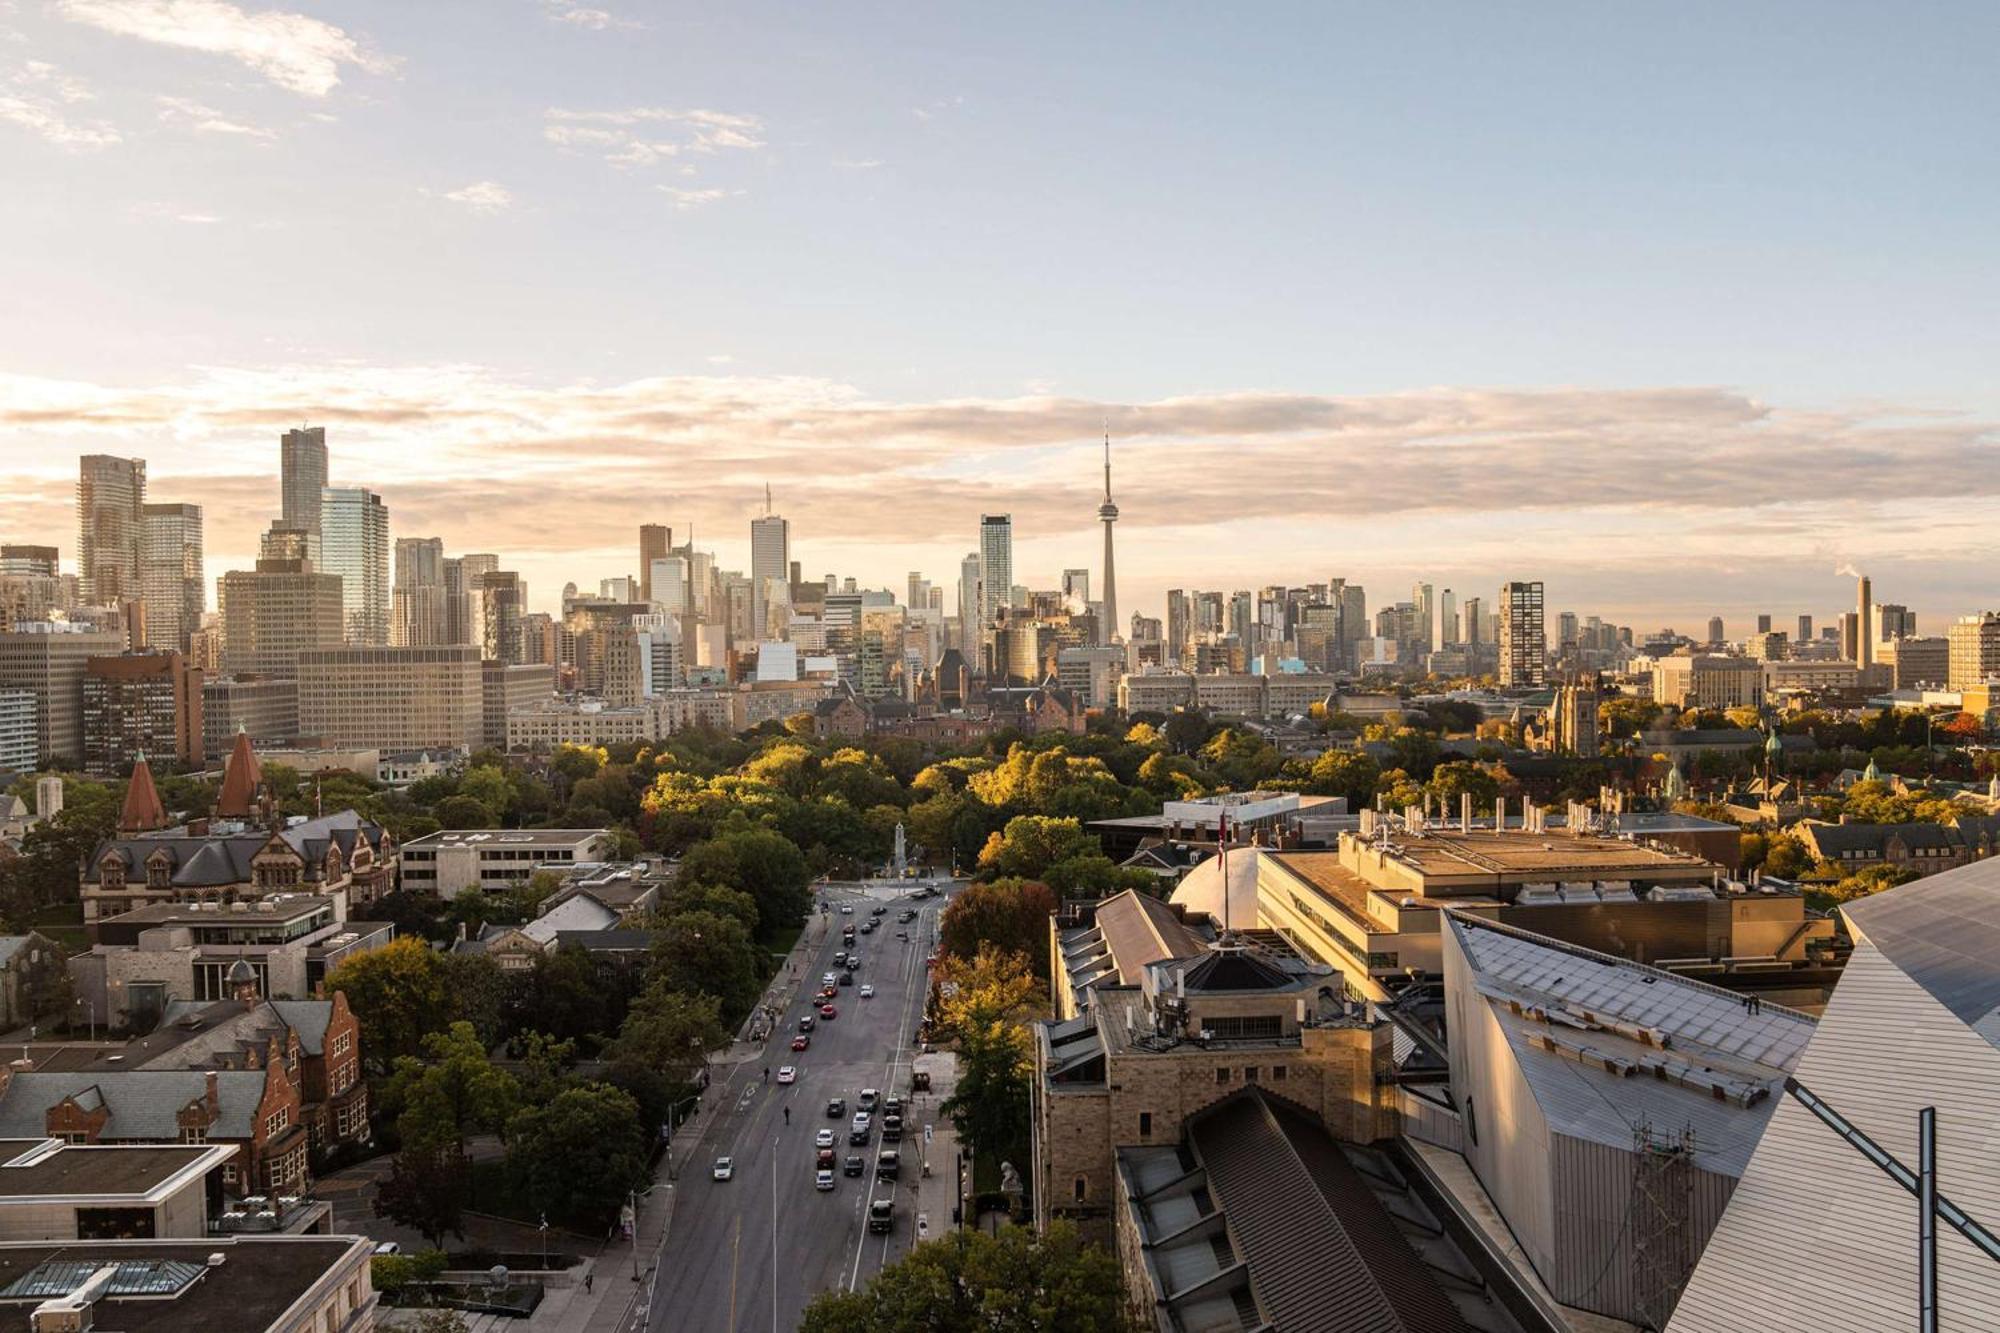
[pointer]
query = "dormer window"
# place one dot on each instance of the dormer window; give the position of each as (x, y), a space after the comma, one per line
(159, 872)
(111, 873)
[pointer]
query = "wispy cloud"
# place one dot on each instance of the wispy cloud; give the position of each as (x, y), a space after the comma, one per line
(648, 135)
(487, 197)
(190, 114)
(579, 15)
(37, 97)
(684, 200)
(295, 51)
(857, 163)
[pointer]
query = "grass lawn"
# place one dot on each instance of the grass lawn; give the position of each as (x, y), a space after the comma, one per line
(783, 943)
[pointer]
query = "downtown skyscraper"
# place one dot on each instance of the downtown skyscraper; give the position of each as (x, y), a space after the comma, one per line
(354, 544)
(110, 515)
(170, 574)
(770, 561)
(1107, 513)
(996, 564)
(302, 476)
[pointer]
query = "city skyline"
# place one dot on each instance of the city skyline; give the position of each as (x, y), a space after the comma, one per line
(1593, 291)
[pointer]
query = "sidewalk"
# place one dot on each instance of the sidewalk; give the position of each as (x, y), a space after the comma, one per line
(936, 1194)
(613, 1302)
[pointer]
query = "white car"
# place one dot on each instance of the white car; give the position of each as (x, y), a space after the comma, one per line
(846, 910)
(823, 1181)
(823, 1139)
(787, 1074)
(724, 1168)
(867, 992)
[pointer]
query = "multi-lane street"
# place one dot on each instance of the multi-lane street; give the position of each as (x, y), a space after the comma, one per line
(747, 1254)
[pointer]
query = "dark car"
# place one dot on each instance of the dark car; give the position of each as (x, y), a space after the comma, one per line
(888, 1166)
(847, 977)
(892, 1105)
(807, 1022)
(881, 1216)
(854, 1165)
(892, 1129)
(824, 1160)
(869, 929)
(836, 1108)
(839, 957)
(880, 911)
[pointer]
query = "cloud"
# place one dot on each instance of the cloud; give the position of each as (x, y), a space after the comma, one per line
(482, 197)
(686, 200)
(302, 54)
(36, 97)
(585, 16)
(647, 135)
(857, 164)
(171, 213)
(1646, 494)
(183, 111)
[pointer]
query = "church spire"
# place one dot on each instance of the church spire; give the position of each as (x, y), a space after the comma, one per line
(143, 812)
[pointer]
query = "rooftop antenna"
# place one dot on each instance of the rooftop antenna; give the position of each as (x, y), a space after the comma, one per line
(767, 499)
(1107, 460)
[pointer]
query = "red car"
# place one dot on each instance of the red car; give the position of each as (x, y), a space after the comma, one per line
(828, 1011)
(829, 992)
(800, 1042)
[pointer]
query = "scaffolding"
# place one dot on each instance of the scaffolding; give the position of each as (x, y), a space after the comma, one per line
(1657, 1220)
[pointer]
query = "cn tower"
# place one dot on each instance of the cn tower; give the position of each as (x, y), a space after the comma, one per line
(1107, 628)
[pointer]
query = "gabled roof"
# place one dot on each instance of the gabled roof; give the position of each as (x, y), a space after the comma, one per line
(578, 913)
(144, 1104)
(1873, 837)
(1324, 1255)
(216, 860)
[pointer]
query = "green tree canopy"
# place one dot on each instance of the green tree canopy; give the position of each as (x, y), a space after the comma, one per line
(398, 994)
(1007, 914)
(575, 1156)
(1019, 1281)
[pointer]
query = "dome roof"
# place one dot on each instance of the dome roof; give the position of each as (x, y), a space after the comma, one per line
(1202, 891)
(241, 973)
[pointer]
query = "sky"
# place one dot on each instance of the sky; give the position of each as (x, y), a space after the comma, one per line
(1678, 308)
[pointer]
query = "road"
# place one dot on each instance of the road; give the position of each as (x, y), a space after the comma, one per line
(747, 1254)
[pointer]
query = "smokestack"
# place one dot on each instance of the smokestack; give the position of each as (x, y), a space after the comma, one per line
(1864, 630)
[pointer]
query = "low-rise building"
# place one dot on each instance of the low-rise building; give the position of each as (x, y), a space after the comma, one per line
(1162, 1019)
(245, 1284)
(31, 977)
(342, 854)
(455, 861)
(147, 960)
(539, 728)
(52, 1190)
(1709, 680)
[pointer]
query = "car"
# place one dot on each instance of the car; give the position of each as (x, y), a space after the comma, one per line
(892, 1128)
(827, 978)
(787, 1074)
(868, 1098)
(824, 1159)
(807, 1022)
(724, 1168)
(888, 1165)
(836, 1108)
(839, 957)
(892, 1105)
(866, 992)
(823, 1180)
(388, 1247)
(853, 964)
(828, 1011)
(868, 929)
(858, 1132)
(907, 915)
(854, 1165)
(847, 909)
(801, 1042)
(823, 1139)
(882, 1216)
(879, 911)
(847, 978)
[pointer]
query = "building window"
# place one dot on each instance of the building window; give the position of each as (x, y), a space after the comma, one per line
(193, 1134)
(1249, 1073)
(1222, 1074)
(1471, 1122)
(1145, 1124)
(276, 1122)
(1279, 1073)
(1081, 1186)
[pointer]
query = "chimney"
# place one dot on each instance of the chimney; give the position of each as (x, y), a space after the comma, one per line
(214, 1100)
(1465, 812)
(1864, 629)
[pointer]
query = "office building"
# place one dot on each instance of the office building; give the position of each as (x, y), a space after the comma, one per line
(770, 562)
(263, 708)
(971, 605)
(1919, 661)
(505, 687)
(354, 544)
(667, 577)
(1523, 645)
(19, 749)
(29, 561)
(503, 600)
(276, 611)
(1476, 631)
(463, 608)
(1424, 610)
(1974, 649)
(491, 861)
(420, 613)
(170, 574)
(392, 698)
(996, 565)
(1448, 626)
(48, 662)
(110, 514)
(302, 476)
(141, 703)
(655, 540)
(1709, 680)
(1715, 630)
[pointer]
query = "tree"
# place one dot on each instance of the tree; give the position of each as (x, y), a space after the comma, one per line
(452, 1092)
(577, 1154)
(1018, 1281)
(761, 863)
(669, 1030)
(1349, 773)
(427, 1190)
(1185, 732)
(710, 954)
(398, 994)
(1006, 914)
(1030, 844)
(438, 1320)
(983, 1006)
(1451, 781)
(464, 812)
(564, 996)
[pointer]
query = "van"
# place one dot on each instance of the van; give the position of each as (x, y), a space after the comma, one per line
(882, 1216)
(888, 1165)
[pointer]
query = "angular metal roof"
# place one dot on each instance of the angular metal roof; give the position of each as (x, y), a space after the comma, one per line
(1943, 932)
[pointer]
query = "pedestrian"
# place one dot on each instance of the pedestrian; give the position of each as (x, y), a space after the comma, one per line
(587, 1278)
